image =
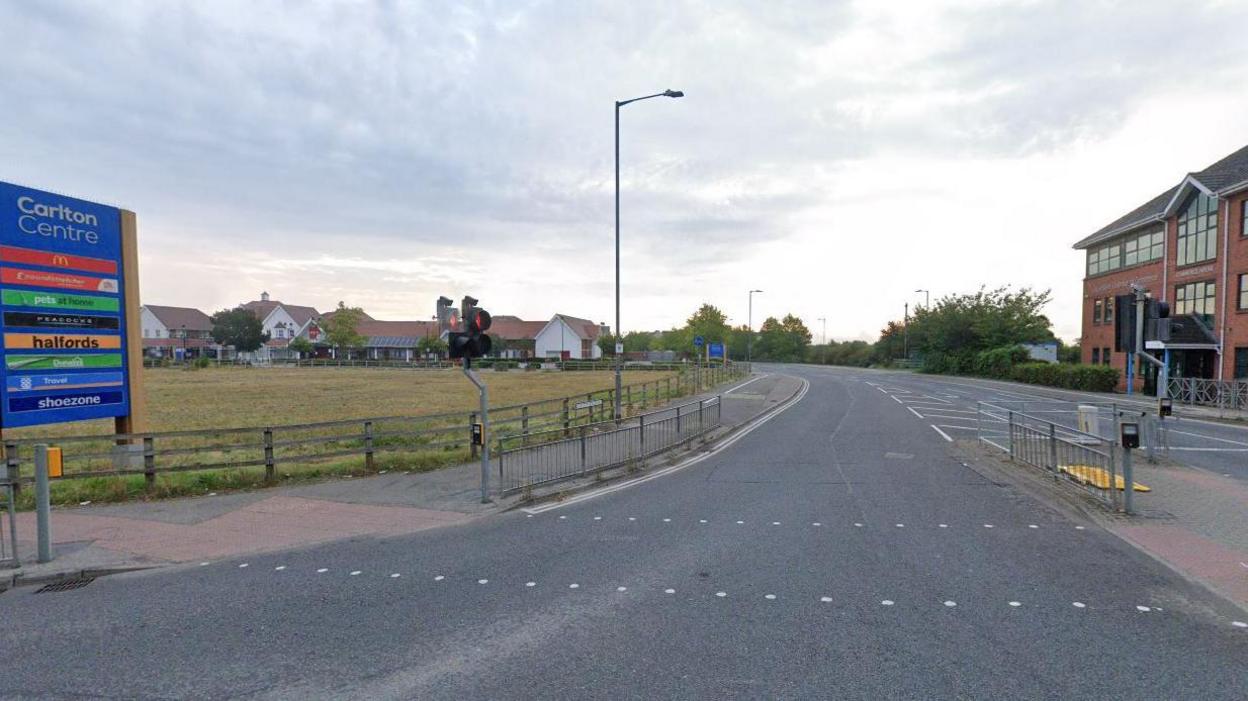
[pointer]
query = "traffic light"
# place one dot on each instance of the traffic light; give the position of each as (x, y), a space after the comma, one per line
(1124, 324)
(447, 318)
(473, 341)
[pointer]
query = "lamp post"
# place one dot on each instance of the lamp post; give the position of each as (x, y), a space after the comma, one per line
(619, 357)
(749, 339)
(184, 343)
(927, 298)
(825, 329)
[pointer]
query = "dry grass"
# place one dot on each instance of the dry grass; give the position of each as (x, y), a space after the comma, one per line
(250, 397)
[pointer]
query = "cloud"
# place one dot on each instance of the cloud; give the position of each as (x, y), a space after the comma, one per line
(385, 151)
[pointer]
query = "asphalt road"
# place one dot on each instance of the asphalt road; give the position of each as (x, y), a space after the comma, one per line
(950, 404)
(837, 551)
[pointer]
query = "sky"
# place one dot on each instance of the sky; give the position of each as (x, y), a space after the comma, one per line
(836, 155)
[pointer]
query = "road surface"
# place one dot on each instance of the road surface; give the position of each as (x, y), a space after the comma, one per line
(838, 550)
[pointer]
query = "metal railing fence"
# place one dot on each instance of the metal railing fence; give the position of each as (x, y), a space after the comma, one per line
(526, 461)
(1082, 458)
(432, 435)
(1223, 394)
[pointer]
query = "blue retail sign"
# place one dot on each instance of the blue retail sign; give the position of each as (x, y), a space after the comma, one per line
(61, 248)
(715, 350)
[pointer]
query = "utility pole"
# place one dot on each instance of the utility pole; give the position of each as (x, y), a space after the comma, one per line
(749, 322)
(905, 333)
(619, 333)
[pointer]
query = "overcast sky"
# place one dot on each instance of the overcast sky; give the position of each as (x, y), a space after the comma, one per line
(836, 155)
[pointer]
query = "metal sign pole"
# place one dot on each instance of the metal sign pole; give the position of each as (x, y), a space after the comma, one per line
(485, 429)
(42, 503)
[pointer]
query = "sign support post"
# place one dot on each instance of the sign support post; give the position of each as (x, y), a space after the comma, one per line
(485, 429)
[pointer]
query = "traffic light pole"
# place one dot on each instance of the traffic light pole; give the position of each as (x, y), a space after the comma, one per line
(485, 429)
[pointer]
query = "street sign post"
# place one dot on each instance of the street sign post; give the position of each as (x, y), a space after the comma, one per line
(698, 341)
(68, 308)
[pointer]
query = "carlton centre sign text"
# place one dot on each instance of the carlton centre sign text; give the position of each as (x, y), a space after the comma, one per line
(63, 309)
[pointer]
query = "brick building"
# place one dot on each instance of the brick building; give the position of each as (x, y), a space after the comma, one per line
(1187, 246)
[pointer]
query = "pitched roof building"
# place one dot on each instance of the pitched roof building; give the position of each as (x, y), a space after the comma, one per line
(1187, 246)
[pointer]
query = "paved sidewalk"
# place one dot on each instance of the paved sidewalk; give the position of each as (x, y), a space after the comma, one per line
(102, 538)
(1195, 520)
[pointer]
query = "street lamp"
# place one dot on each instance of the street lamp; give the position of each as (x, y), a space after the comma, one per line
(927, 298)
(749, 339)
(184, 343)
(619, 335)
(825, 330)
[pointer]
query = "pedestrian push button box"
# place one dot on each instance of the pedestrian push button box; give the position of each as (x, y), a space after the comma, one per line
(1165, 406)
(1130, 435)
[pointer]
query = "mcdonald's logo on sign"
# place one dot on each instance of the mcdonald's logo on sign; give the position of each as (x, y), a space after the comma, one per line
(26, 256)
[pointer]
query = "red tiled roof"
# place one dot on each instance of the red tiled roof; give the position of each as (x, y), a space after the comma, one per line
(263, 308)
(512, 328)
(583, 327)
(177, 317)
(404, 329)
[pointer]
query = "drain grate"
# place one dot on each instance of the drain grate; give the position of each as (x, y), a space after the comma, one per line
(66, 585)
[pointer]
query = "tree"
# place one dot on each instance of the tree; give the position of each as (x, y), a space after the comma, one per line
(301, 346)
(606, 343)
(240, 328)
(951, 333)
(340, 327)
(431, 345)
(638, 341)
(782, 340)
(708, 322)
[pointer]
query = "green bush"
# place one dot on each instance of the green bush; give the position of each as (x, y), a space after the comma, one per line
(1088, 378)
(202, 363)
(998, 362)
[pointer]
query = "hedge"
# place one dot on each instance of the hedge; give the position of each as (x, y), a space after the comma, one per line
(1089, 378)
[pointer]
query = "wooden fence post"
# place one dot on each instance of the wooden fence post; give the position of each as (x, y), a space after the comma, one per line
(149, 462)
(566, 420)
(524, 419)
(270, 472)
(368, 446)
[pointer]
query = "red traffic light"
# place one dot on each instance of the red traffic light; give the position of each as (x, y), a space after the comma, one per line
(480, 321)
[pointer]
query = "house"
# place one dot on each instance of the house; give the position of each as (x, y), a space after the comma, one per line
(170, 331)
(394, 340)
(569, 337)
(1187, 246)
(515, 337)
(282, 322)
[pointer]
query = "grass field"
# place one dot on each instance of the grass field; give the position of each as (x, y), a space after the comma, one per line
(179, 400)
(217, 398)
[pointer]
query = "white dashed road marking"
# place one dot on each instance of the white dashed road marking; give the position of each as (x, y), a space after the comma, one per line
(322, 570)
(886, 602)
(355, 573)
(1078, 604)
(951, 604)
(483, 581)
(769, 597)
(1015, 604)
(530, 584)
(279, 568)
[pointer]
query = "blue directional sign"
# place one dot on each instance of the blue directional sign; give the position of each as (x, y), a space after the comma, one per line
(715, 350)
(62, 309)
(698, 341)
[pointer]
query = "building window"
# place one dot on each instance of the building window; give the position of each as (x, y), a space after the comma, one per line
(1105, 356)
(1243, 224)
(1096, 356)
(1195, 298)
(1143, 248)
(1109, 310)
(1243, 291)
(1198, 230)
(1241, 363)
(1097, 315)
